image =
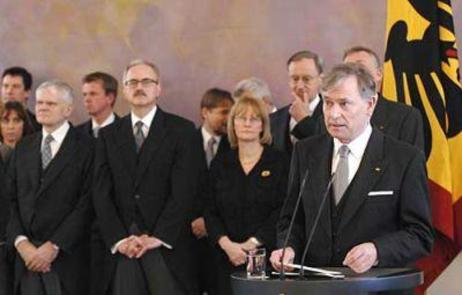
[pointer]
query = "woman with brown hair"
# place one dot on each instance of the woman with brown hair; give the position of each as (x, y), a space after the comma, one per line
(247, 189)
(14, 124)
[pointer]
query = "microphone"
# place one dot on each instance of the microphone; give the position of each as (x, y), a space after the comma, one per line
(315, 224)
(291, 224)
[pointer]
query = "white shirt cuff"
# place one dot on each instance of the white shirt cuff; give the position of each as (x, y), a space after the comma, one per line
(19, 239)
(116, 246)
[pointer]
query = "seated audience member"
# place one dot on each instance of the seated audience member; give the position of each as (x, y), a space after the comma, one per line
(256, 88)
(16, 86)
(13, 126)
(211, 141)
(247, 189)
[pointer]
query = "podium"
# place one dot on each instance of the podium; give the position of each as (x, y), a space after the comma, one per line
(371, 282)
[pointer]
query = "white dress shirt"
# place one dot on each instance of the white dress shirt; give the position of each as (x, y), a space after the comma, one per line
(206, 136)
(356, 147)
(109, 120)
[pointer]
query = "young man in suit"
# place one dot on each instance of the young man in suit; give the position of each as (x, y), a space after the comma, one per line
(99, 92)
(396, 119)
(301, 118)
(145, 179)
(211, 139)
(49, 184)
(378, 211)
(16, 86)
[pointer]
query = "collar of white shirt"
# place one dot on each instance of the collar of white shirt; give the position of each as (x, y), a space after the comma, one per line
(147, 120)
(58, 136)
(106, 122)
(206, 136)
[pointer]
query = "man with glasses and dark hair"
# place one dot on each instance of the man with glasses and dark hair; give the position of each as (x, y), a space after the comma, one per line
(99, 92)
(145, 176)
(16, 86)
(301, 118)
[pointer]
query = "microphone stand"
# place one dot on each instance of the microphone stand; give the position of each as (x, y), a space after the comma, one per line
(315, 225)
(291, 224)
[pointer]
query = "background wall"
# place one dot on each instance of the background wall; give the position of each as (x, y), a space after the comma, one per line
(197, 44)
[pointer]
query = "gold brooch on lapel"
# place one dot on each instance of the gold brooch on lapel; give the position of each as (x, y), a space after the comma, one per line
(265, 173)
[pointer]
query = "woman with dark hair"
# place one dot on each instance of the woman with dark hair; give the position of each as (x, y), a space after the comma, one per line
(247, 189)
(14, 124)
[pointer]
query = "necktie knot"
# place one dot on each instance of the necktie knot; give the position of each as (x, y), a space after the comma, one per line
(344, 151)
(48, 139)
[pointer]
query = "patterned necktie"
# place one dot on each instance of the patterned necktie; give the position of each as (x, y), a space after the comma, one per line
(210, 151)
(341, 174)
(139, 135)
(46, 151)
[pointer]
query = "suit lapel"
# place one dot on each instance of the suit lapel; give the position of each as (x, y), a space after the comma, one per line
(318, 182)
(60, 160)
(371, 168)
(153, 141)
(125, 141)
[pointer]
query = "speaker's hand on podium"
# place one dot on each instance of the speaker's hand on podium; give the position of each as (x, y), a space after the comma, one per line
(276, 257)
(361, 257)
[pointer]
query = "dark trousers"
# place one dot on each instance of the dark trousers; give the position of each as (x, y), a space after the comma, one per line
(205, 267)
(6, 278)
(148, 275)
(33, 283)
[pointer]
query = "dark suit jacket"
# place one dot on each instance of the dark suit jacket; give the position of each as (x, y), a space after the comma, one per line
(4, 203)
(200, 200)
(86, 127)
(33, 121)
(280, 127)
(399, 121)
(399, 224)
(158, 183)
(54, 205)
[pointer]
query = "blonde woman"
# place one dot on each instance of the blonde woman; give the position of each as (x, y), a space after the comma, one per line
(247, 189)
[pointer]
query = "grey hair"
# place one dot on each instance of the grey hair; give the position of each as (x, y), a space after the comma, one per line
(66, 92)
(364, 80)
(137, 62)
(254, 87)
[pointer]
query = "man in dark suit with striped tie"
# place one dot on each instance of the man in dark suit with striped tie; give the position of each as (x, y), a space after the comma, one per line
(145, 176)
(49, 183)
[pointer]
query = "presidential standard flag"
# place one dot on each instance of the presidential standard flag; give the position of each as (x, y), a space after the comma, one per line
(422, 69)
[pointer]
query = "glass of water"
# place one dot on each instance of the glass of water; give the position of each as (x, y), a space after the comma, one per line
(256, 263)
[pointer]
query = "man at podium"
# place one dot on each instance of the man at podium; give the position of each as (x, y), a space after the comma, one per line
(377, 210)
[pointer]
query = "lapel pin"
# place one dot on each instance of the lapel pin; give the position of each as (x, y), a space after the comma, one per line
(265, 173)
(377, 169)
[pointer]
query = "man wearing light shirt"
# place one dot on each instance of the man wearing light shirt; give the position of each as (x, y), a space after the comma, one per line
(99, 92)
(145, 176)
(377, 212)
(302, 118)
(49, 182)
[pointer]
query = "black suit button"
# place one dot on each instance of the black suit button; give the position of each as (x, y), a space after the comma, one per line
(137, 197)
